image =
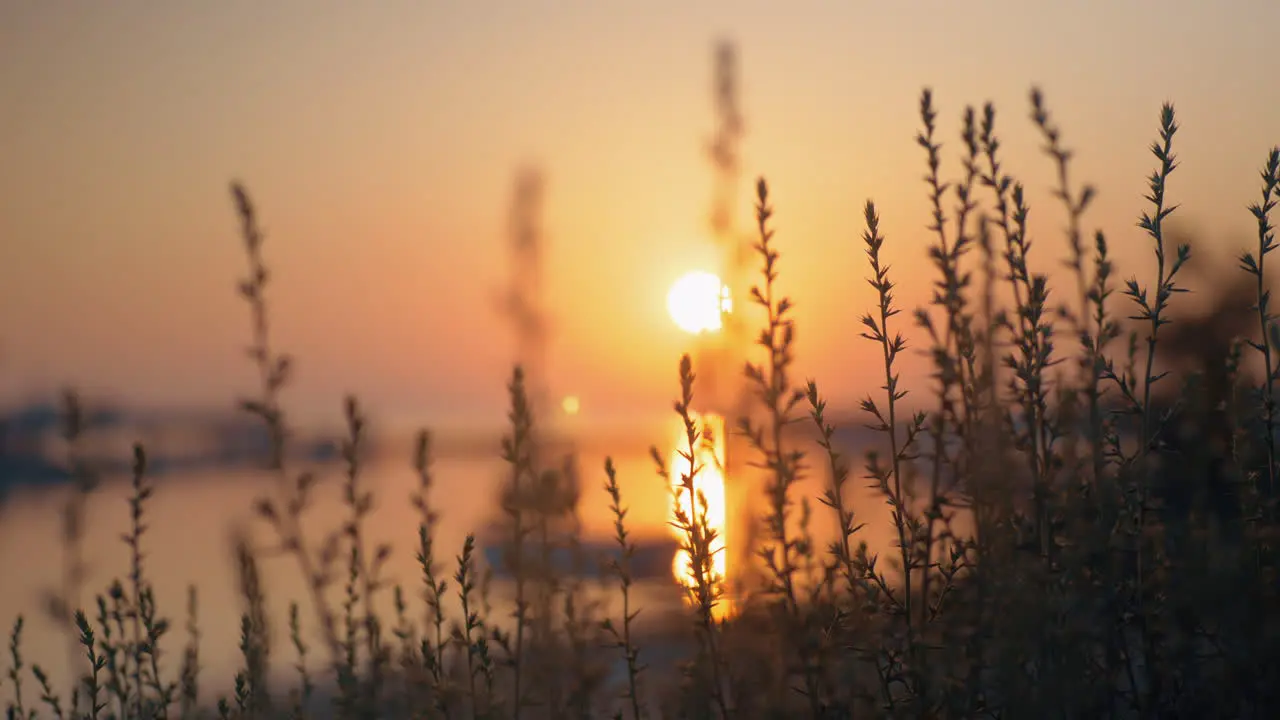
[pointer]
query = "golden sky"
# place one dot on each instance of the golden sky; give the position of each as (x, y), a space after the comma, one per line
(381, 142)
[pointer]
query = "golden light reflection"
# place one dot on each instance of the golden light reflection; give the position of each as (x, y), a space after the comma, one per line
(709, 482)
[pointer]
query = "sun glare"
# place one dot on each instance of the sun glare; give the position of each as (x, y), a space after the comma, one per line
(708, 480)
(697, 302)
(571, 405)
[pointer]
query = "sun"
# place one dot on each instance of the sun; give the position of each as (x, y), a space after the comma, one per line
(697, 302)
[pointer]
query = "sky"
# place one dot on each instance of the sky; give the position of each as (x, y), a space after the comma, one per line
(381, 142)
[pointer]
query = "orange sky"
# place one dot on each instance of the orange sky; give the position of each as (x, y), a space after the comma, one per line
(381, 141)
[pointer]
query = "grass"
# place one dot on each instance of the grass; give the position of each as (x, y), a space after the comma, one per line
(1078, 534)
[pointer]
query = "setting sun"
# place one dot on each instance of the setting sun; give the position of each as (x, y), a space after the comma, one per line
(697, 302)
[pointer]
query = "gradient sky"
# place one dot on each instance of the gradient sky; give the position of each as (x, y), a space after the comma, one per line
(381, 141)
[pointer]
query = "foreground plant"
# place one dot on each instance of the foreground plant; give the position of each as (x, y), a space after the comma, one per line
(1121, 562)
(621, 567)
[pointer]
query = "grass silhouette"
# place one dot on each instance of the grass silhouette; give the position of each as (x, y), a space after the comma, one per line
(1077, 534)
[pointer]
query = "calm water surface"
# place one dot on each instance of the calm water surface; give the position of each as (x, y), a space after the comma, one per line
(191, 519)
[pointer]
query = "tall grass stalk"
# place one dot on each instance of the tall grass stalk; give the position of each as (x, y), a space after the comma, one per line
(697, 537)
(435, 643)
(1269, 337)
(779, 397)
(517, 451)
(621, 567)
(285, 512)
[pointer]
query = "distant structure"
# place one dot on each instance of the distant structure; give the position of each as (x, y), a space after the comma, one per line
(32, 453)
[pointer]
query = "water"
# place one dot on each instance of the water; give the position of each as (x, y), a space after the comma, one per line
(191, 517)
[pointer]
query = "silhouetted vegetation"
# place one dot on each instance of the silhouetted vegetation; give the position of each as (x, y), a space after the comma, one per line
(1086, 527)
